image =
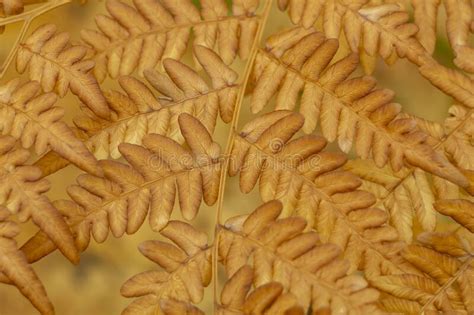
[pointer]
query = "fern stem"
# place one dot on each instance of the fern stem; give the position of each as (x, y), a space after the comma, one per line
(230, 140)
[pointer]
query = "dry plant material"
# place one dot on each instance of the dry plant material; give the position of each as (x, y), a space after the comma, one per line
(21, 194)
(279, 250)
(57, 65)
(138, 112)
(141, 36)
(445, 284)
(186, 269)
(351, 111)
(31, 117)
(156, 175)
(380, 223)
(15, 267)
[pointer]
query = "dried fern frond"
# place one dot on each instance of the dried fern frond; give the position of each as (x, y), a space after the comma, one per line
(460, 127)
(461, 210)
(459, 14)
(269, 298)
(174, 307)
(278, 250)
(349, 110)
(406, 195)
(140, 36)
(15, 267)
(139, 112)
(31, 117)
(446, 285)
(382, 30)
(156, 173)
(311, 184)
(21, 192)
(426, 16)
(186, 270)
(458, 23)
(59, 66)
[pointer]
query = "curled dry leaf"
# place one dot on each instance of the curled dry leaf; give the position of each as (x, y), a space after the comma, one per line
(32, 118)
(140, 36)
(139, 112)
(350, 110)
(186, 271)
(156, 174)
(279, 250)
(59, 66)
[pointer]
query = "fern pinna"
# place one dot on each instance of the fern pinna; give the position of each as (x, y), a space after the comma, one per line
(254, 147)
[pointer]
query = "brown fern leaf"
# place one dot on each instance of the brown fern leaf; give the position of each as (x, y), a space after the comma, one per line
(350, 110)
(459, 15)
(140, 36)
(458, 22)
(157, 173)
(451, 82)
(186, 270)
(174, 307)
(266, 299)
(383, 29)
(32, 118)
(14, 265)
(460, 129)
(21, 193)
(279, 250)
(138, 112)
(426, 16)
(59, 66)
(311, 184)
(446, 285)
(461, 210)
(405, 195)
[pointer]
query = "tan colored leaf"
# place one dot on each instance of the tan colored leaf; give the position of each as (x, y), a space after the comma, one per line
(32, 118)
(186, 271)
(139, 112)
(155, 175)
(279, 250)
(21, 192)
(59, 66)
(142, 35)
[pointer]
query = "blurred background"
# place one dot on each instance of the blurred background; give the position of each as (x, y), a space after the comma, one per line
(92, 287)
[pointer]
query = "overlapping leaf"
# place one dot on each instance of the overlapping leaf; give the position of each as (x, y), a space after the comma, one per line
(157, 173)
(311, 184)
(186, 272)
(279, 250)
(446, 283)
(374, 30)
(350, 110)
(32, 118)
(238, 299)
(139, 112)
